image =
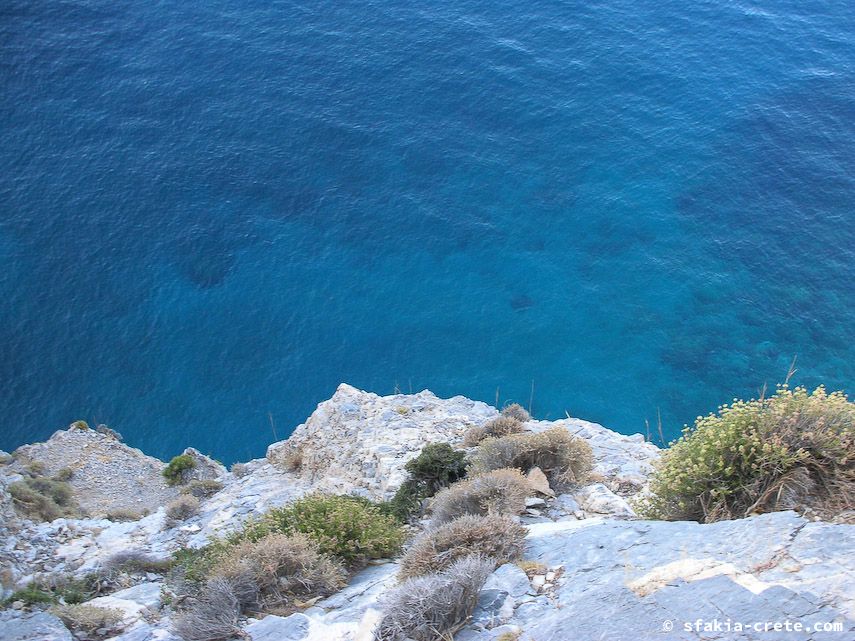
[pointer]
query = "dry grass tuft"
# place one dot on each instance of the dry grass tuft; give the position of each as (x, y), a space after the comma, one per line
(182, 508)
(89, 620)
(498, 427)
(564, 458)
(498, 492)
(517, 411)
(498, 537)
(212, 616)
(434, 607)
(269, 572)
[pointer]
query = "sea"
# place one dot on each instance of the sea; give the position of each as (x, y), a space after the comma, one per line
(213, 213)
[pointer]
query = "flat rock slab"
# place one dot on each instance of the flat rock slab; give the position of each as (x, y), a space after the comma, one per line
(40, 626)
(655, 580)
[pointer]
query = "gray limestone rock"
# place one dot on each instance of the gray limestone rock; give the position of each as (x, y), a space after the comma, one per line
(39, 626)
(274, 628)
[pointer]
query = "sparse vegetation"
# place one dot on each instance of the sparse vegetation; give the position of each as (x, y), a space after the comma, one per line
(89, 620)
(239, 469)
(124, 514)
(182, 508)
(270, 572)
(106, 431)
(203, 489)
(437, 465)
(531, 568)
(133, 561)
(288, 457)
(794, 450)
(434, 607)
(348, 527)
(79, 425)
(42, 499)
(498, 537)
(564, 458)
(64, 475)
(65, 588)
(212, 615)
(32, 594)
(517, 411)
(178, 469)
(498, 492)
(498, 427)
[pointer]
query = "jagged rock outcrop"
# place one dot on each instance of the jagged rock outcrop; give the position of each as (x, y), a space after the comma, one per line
(605, 574)
(359, 441)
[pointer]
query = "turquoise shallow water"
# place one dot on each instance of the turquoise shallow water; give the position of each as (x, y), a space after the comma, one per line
(212, 215)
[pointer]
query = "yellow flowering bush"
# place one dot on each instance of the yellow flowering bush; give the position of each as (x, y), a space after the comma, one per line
(794, 450)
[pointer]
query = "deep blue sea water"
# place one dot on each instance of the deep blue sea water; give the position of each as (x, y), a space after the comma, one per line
(212, 213)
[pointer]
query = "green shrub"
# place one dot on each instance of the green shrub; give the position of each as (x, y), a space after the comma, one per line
(32, 594)
(79, 425)
(498, 537)
(437, 466)
(792, 450)
(498, 427)
(177, 470)
(348, 527)
(71, 590)
(406, 502)
(517, 411)
(564, 458)
(498, 492)
(42, 499)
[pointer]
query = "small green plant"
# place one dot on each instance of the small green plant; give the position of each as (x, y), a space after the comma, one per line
(564, 458)
(437, 466)
(177, 471)
(79, 425)
(792, 450)
(348, 527)
(32, 594)
(499, 537)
